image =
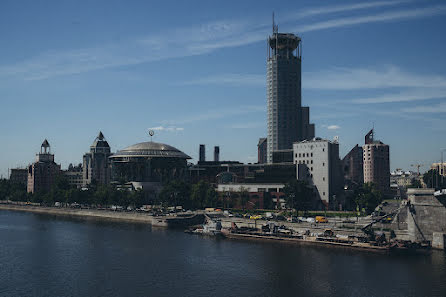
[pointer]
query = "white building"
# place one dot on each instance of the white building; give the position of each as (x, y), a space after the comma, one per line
(317, 162)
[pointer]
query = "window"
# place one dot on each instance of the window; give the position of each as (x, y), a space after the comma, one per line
(323, 164)
(323, 150)
(311, 162)
(323, 193)
(312, 154)
(323, 179)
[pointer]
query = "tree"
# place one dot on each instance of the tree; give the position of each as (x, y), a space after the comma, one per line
(298, 195)
(368, 197)
(267, 200)
(176, 193)
(203, 195)
(244, 197)
(415, 183)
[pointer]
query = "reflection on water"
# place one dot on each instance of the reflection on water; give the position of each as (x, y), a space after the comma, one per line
(42, 255)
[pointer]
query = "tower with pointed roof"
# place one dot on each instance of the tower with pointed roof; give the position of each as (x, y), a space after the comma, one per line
(96, 165)
(43, 172)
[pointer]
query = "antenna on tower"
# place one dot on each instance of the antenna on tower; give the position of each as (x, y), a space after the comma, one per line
(275, 27)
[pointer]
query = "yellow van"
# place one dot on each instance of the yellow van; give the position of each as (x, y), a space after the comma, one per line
(321, 219)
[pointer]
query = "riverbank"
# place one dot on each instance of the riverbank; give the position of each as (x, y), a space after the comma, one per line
(83, 213)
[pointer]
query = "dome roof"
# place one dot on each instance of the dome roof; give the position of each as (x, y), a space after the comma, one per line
(151, 149)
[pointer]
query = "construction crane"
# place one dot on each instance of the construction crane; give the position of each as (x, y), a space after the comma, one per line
(418, 167)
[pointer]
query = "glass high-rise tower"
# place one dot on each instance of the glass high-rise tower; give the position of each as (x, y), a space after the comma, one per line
(288, 121)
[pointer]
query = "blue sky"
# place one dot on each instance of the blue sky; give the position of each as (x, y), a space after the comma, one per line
(195, 71)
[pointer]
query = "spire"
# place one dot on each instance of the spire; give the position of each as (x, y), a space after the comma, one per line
(101, 136)
(44, 148)
(275, 27)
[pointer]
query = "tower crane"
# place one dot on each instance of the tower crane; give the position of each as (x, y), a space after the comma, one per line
(418, 167)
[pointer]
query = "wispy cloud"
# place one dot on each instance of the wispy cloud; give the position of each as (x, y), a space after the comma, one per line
(437, 108)
(218, 113)
(228, 79)
(308, 12)
(250, 125)
(192, 40)
(168, 128)
(376, 18)
(369, 78)
(404, 96)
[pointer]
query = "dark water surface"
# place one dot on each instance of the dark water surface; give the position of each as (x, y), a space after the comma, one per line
(42, 255)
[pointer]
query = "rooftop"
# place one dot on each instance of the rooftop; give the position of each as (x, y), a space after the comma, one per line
(151, 149)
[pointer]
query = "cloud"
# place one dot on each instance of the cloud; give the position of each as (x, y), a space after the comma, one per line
(219, 113)
(168, 128)
(190, 41)
(369, 78)
(376, 18)
(248, 125)
(404, 96)
(344, 8)
(331, 127)
(438, 108)
(229, 79)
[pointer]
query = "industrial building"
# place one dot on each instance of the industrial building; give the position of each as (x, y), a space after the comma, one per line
(317, 162)
(288, 121)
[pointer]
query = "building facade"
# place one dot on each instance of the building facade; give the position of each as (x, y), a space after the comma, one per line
(376, 163)
(43, 172)
(19, 176)
(353, 165)
(439, 167)
(74, 175)
(96, 164)
(317, 162)
(148, 165)
(288, 121)
(262, 150)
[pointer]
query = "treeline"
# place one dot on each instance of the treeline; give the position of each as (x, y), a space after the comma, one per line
(298, 195)
(61, 191)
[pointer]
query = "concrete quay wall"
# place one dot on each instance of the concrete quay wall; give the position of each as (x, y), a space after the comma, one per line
(85, 213)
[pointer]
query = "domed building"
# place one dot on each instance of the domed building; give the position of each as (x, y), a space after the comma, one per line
(148, 164)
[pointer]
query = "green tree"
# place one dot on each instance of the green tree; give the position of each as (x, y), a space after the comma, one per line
(203, 195)
(176, 193)
(298, 195)
(415, 183)
(368, 197)
(267, 201)
(244, 197)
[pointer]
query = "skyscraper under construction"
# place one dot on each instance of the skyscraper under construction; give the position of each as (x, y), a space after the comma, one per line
(288, 121)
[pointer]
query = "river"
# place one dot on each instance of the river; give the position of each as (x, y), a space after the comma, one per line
(43, 255)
